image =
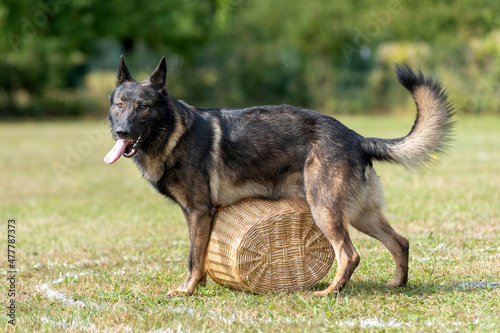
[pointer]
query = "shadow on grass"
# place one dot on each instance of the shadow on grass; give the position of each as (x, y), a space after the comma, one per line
(413, 288)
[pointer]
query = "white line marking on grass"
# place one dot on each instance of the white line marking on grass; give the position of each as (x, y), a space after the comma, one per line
(65, 264)
(372, 322)
(475, 257)
(469, 285)
(433, 258)
(377, 323)
(54, 294)
(92, 262)
(454, 323)
(75, 323)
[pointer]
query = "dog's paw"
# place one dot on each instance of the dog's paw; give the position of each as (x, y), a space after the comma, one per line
(326, 292)
(177, 293)
(395, 284)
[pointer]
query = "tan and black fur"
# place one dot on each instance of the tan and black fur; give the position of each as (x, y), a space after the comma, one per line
(202, 158)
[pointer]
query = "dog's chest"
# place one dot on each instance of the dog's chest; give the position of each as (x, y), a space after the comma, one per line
(151, 167)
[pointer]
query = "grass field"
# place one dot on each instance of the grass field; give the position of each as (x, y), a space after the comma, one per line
(97, 249)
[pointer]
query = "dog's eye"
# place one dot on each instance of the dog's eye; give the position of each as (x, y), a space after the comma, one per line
(143, 107)
(119, 105)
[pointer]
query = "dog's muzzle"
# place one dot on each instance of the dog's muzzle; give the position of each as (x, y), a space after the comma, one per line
(127, 148)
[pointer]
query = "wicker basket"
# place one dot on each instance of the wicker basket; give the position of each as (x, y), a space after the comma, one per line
(262, 246)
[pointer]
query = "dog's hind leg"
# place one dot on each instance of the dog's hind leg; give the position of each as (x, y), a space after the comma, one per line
(330, 221)
(329, 211)
(374, 224)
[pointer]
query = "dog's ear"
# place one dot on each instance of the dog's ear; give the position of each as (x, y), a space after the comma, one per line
(123, 73)
(159, 76)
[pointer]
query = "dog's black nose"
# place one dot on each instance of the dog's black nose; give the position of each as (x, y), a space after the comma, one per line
(122, 134)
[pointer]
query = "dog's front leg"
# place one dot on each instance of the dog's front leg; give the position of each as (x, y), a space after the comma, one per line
(199, 222)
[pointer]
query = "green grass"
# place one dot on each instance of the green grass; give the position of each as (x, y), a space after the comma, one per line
(97, 249)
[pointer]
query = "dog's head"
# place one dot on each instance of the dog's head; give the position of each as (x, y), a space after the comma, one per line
(136, 107)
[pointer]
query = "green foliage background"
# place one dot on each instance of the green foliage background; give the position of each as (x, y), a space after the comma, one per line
(58, 57)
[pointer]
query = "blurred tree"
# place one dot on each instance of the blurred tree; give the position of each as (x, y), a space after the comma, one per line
(327, 55)
(46, 44)
(321, 54)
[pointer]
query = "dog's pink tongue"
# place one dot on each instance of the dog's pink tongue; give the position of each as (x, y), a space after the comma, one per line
(116, 152)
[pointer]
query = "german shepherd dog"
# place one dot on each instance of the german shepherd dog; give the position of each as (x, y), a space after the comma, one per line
(202, 158)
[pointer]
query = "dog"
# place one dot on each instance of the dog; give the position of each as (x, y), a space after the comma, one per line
(202, 158)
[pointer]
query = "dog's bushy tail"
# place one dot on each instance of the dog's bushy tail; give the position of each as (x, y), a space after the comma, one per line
(431, 131)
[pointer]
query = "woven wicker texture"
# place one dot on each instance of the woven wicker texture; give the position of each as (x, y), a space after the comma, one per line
(262, 246)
